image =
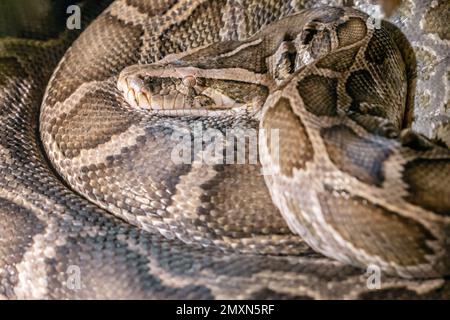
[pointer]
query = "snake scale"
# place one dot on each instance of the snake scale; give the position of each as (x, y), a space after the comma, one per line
(88, 177)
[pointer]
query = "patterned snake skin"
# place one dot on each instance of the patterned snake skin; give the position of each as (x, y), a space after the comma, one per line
(89, 183)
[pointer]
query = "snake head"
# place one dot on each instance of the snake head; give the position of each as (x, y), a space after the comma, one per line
(169, 88)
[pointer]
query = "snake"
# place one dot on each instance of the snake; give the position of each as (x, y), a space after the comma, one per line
(227, 149)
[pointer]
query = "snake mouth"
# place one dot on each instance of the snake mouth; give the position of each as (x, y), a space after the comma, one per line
(170, 93)
(166, 89)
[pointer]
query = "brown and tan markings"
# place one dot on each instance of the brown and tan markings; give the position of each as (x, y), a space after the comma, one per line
(88, 179)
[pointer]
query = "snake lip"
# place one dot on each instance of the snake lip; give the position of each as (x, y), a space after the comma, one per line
(143, 100)
(134, 91)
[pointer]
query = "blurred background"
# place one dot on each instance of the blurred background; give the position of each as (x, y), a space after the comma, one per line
(38, 19)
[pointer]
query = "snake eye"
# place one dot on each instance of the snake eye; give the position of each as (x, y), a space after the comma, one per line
(189, 81)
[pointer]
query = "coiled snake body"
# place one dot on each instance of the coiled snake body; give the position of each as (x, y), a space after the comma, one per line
(327, 95)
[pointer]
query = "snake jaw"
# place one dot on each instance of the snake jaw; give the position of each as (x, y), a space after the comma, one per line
(135, 91)
(164, 88)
